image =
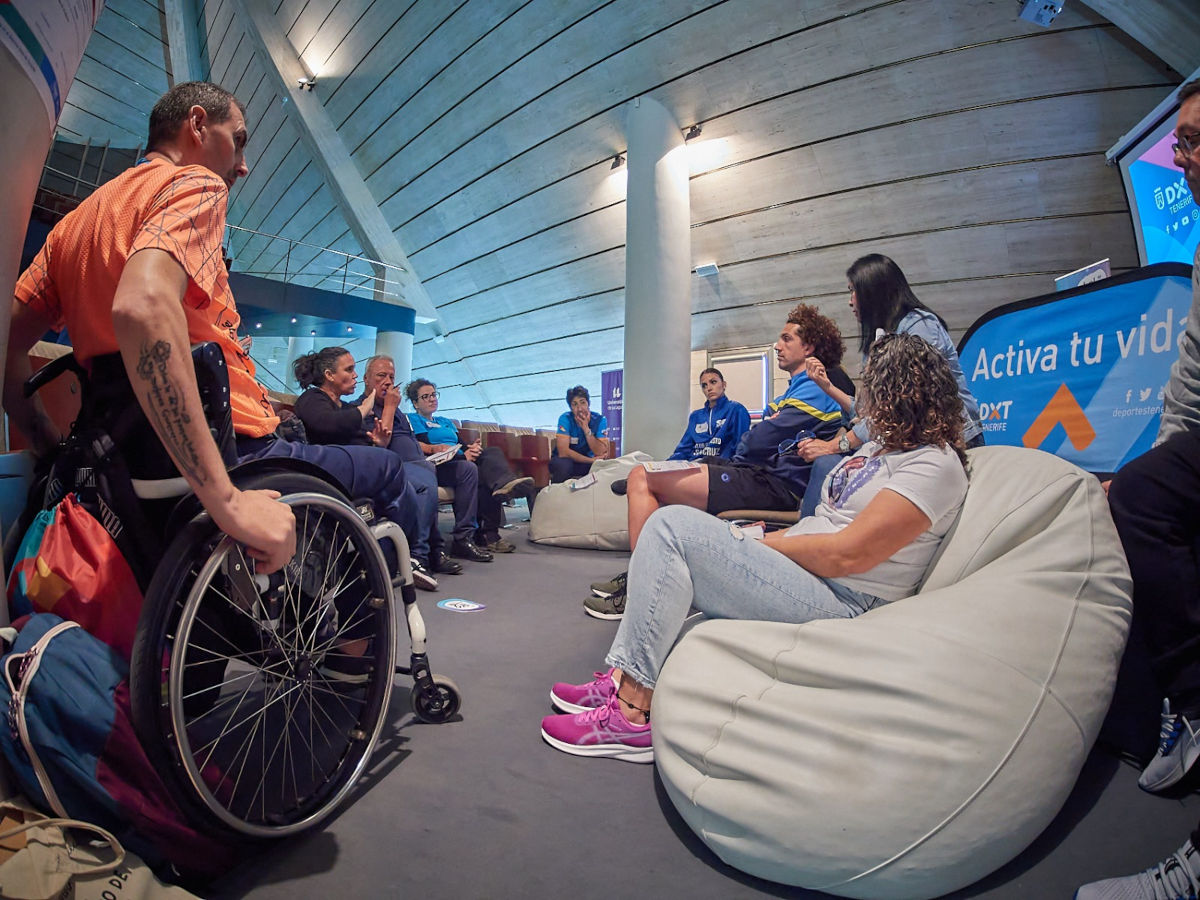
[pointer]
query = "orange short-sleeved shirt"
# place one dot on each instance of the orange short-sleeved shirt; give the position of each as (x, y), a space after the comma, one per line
(179, 209)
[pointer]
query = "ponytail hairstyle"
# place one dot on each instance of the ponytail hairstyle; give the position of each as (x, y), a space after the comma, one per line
(311, 367)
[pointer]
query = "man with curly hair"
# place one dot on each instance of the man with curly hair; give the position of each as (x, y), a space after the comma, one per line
(882, 517)
(765, 472)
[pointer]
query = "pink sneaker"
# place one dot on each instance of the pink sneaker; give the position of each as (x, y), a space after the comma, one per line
(603, 731)
(577, 698)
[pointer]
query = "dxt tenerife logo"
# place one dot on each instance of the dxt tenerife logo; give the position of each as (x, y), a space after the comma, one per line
(1175, 195)
(994, 415)
(1063, 409)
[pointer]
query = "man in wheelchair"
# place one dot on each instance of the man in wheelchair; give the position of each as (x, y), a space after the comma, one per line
(272, 654)
(138, 269)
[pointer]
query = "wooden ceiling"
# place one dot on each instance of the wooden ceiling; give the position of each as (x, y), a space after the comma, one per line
(960, 140)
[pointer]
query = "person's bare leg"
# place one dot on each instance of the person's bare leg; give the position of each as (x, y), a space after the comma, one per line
(647, 491)
(634, 700)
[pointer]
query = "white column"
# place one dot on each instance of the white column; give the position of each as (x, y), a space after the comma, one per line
(658, 309)
(398, 345)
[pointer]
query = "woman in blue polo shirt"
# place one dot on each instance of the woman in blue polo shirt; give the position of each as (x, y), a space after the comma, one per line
(580, 438)
(713, 430)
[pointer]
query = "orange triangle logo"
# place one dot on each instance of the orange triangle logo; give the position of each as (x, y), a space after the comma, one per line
(1062, 409)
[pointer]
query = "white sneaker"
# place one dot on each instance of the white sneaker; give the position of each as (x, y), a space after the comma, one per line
(1178, 750)
(1172, 879)
(422, 577)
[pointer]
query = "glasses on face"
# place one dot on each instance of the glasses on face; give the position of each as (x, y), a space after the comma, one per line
(1187, 143)
(425, 398)
(788, 445)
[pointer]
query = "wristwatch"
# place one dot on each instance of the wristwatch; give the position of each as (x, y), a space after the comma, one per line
(844, 443)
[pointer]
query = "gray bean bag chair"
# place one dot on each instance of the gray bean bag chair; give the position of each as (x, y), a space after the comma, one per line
(919, 747)
(591, 518)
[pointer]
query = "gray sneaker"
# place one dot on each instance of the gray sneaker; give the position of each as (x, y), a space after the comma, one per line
(1178, 750)
(1173, 879)
(608, 588)
(610, 607)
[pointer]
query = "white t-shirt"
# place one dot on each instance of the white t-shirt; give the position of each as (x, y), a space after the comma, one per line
(932, 478)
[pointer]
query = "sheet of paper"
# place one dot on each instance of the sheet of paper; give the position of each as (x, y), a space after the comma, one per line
(444, 455)
(670, 465)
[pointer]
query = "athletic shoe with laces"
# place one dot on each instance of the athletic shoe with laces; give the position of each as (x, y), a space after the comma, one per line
(610, 607)
(1178, 750)
(1173, 879)
(577, 698)
(507, 490)
(614, 584)
(603, 731)
(421, 576)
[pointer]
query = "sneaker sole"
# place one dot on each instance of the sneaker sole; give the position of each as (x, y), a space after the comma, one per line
(603, 595)
(642, 755)
(608, 617)
(424, 582)
(563, 706)
(1176, 775)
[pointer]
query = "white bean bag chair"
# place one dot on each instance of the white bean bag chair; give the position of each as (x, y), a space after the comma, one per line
(919, 747)
(590, 518)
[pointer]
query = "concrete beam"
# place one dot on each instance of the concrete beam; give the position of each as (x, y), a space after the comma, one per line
(183, 43)
(1170, 29)
(328, 152)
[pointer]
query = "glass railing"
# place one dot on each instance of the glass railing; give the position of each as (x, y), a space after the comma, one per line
(298, 262)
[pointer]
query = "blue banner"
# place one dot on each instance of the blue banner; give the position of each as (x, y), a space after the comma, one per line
(1080, 373)
(611, 385)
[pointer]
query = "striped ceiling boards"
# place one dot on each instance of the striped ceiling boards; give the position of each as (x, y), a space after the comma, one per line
(962, 141)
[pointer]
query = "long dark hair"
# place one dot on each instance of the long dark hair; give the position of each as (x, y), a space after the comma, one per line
(883, 296)
(311, 367)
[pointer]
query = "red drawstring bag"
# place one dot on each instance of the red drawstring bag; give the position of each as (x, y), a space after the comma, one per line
(69, 565)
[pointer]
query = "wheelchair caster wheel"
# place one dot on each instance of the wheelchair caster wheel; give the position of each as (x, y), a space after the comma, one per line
(445, 702)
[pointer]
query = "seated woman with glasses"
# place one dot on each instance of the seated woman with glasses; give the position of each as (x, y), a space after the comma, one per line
(715, 428)
(883, 514)
(482, 478)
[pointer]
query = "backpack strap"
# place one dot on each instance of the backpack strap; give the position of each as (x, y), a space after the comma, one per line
(30, 661)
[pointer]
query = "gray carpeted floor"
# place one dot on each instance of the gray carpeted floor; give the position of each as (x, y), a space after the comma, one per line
(482, 808)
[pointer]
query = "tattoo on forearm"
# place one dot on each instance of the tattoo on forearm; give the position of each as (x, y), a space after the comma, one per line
(167, 412)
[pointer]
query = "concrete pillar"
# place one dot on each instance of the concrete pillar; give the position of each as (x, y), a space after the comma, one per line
(658, 308)
(398, 345)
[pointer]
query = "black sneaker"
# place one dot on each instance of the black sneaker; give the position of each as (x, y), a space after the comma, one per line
(442, 564)
(421, 576)
(607, 588)
(618, 487)
(610, 607)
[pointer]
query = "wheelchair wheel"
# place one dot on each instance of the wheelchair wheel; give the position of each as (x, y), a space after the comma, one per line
(260, 698)
(440, 704)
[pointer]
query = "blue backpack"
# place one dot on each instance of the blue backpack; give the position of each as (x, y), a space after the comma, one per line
(71, 743)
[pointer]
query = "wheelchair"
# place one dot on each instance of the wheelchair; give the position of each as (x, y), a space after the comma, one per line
(258, 698)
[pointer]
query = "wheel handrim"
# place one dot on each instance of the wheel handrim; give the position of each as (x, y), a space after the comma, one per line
(283, 717)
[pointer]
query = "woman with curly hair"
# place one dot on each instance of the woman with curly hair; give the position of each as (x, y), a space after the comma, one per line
(883, 514)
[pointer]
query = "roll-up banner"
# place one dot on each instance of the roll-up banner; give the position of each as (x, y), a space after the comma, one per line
(1080, 373)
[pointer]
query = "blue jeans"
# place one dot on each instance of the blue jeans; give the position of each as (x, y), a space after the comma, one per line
(821, 468)
(423, 478)
(687, 558)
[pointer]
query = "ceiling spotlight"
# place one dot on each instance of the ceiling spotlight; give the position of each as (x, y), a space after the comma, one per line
(258, 324)
(313, 332)
(693, 132)
(293, 320)
(349, 330)
(306, 83)
(618, 161)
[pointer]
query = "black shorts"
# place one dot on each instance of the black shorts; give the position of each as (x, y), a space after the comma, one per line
(746, 486)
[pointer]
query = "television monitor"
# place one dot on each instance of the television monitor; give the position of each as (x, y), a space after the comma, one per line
(1166, 217)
